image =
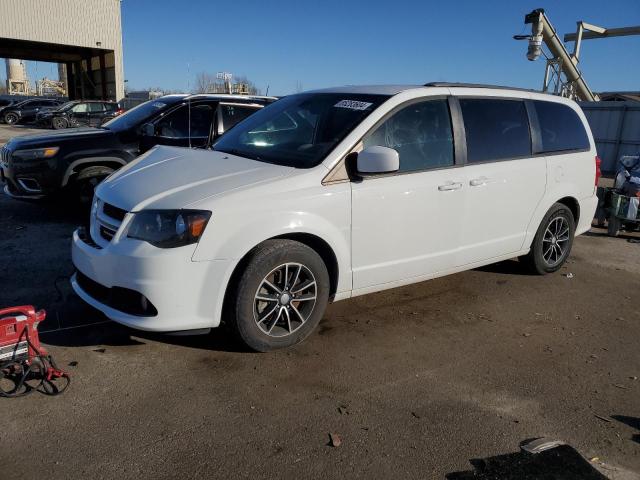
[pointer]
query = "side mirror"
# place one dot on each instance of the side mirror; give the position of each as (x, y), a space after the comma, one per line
(377, 160)
(148, 129)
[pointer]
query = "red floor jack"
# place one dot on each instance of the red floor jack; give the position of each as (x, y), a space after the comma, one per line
(24, 365)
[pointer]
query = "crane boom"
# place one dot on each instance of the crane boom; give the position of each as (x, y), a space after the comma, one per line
(542, 30)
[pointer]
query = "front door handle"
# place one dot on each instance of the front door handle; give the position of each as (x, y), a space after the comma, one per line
(447, 187)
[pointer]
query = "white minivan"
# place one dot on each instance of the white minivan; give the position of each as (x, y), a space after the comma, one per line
(329, 194)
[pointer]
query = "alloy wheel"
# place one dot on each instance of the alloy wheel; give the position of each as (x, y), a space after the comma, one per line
(285, 299)
(555, 241)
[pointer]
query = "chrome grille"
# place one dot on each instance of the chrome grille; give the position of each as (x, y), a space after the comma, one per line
(5, 154)
(105, 222)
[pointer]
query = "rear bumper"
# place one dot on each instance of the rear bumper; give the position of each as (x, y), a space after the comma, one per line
(588, 208)
(186, 294)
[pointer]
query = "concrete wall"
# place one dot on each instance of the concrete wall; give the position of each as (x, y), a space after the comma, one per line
(82, 23)
(616, 130)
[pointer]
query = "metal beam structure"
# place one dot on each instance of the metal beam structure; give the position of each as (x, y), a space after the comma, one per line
(608, 33)
(562, 62)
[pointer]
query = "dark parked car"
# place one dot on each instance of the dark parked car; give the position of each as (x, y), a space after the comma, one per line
(26, 111)
(76, 160)
(79, 113)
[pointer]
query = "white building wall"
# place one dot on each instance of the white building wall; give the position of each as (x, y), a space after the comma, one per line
(83, 23)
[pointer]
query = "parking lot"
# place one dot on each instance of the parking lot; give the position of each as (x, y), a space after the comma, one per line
(416, 381)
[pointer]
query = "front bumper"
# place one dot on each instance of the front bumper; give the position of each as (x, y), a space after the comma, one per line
(31, 179)
(186, 294)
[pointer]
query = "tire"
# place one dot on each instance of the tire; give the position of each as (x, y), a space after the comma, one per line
(613, 226)
(87, 181)
(278, 320)
(551, 245)
(59, 123)
(11, 119)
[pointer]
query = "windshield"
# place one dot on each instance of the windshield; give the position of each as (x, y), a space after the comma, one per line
(299, 130)
(66, 106)
(138, 114)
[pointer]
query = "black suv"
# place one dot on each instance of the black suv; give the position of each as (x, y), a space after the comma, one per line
(85, 113)
(34, 166)
(26, 111)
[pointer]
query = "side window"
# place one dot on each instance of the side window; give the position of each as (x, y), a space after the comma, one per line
(233, 114)
(560, 127)
(495, 129)
(421, 134)
(80, 108)
(96, 107)
(176, 124)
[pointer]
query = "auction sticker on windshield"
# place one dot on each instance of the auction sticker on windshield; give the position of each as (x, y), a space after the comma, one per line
(353, 104)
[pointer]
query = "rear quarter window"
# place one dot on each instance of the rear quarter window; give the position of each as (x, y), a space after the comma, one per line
(495, 129)
(560, 127)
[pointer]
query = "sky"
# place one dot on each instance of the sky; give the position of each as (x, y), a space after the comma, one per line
(284, 44)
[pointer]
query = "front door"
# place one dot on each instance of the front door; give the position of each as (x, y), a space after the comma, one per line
(187, 126)
(504, 181)
(79, 115)
(407, 225)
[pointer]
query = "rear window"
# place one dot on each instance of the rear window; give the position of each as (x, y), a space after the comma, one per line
(495, 129)
(560, 127)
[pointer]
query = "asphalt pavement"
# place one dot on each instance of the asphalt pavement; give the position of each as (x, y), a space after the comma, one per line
(415, 382)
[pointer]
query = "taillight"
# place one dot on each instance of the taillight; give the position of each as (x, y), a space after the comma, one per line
(119, 112)
(598, 171)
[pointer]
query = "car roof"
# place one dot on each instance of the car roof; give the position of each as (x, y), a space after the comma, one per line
(391, 90)
(220, 97)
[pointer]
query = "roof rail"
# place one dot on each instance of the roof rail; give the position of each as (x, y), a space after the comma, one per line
(477, 85)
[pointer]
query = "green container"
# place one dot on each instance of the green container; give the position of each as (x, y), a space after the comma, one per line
(620, 207)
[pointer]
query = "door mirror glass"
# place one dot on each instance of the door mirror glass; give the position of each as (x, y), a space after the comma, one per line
(148, 130)
(376, 160)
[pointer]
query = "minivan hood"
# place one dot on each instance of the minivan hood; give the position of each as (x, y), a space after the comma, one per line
(55, 137)
(176, 177)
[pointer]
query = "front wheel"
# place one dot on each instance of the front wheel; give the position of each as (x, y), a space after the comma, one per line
(553, 241)
(281, 295)
(87, 181)
(11, 119)
(59, 123)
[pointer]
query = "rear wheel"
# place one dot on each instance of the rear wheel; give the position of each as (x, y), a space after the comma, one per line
(553, 241)
(281, 295)
(59, 123)
(11, 119)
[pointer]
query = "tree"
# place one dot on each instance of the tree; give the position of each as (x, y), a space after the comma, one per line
(204, 83)
(210, 83)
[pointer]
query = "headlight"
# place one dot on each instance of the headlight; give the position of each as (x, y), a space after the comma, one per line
(36, 153)
(168, 228)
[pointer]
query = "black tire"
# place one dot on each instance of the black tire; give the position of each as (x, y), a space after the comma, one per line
(86, 182)
(246, 315)
(11, 118)
(613, 226)
(537, 261)
(59, 123)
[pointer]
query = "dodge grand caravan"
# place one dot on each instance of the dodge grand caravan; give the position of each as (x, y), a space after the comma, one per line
(331, 194)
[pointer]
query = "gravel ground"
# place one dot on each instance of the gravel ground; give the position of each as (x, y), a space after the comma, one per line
(416, 381)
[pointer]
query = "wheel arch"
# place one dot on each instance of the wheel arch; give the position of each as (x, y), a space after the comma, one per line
(572, 204)
(319, 245)
(76, 166)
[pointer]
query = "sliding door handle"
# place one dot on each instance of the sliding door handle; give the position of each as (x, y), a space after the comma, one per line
(477, 182)
(447, 187)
